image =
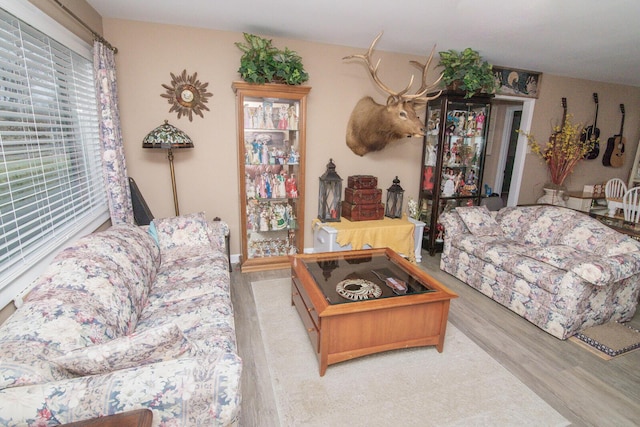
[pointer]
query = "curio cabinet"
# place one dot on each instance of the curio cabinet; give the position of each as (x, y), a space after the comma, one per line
(271, 155)
(452, 159)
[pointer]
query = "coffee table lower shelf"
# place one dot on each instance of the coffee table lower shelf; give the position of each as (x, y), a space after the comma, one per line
(345, 331)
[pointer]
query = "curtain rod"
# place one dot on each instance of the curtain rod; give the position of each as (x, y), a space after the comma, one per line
(96, 36)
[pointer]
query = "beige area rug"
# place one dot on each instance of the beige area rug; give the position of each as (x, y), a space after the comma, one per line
(462, 386)
(609, 340)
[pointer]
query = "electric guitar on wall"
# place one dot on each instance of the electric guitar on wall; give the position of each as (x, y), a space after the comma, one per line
(614, 155)
(554, 135)
(592, 132)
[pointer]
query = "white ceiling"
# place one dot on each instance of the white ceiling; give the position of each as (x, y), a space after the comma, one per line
(589, 39)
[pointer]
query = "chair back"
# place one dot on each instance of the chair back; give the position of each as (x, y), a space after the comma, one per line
(615, 188)
(631, 205)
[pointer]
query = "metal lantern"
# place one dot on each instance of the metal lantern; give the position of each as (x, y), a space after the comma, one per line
(330, 195)
(395, 193)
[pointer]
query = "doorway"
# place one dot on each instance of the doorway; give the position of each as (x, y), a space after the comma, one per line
(513, 117)
(513, 146)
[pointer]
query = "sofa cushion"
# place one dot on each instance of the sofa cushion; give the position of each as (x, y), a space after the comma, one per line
(182, 231)
(479, 221)
(512, 257)
(153, 345)
(118, 265)
(25, 362)
(590, 235)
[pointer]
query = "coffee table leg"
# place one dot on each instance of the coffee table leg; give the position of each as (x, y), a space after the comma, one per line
(324, 352)
(443, 328)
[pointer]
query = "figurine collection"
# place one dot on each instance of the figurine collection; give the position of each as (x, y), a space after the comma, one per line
(270, 185)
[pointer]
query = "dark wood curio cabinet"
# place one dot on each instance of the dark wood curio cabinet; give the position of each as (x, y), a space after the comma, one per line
(452, 159)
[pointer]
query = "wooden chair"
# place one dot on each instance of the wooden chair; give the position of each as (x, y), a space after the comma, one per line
(614, 190)
(631, 205)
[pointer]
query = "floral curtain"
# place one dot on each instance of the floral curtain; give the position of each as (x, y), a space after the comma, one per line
(114, 167)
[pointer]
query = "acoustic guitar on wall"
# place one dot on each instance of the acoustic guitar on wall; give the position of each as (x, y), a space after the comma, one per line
(615, 147)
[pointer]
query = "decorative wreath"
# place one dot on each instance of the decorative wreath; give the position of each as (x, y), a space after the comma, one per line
(187, 95)
(358, 289)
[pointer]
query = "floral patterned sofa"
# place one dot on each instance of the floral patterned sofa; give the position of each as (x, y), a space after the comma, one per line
(558, 268)
(127, 318)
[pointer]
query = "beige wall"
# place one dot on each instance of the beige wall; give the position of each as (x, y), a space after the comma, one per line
(207, 175)
(548, 111)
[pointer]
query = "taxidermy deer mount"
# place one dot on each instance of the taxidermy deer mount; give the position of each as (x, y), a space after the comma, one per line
(372, 126)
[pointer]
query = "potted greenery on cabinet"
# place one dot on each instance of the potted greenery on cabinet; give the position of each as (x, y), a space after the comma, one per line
(467, 71)
(261, 62)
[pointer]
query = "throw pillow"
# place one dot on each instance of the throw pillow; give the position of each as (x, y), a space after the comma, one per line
(158, 344)
(153, 232)
(181, 231)
(479, 221)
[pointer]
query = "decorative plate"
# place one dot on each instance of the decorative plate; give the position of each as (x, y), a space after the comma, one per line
(358, 289)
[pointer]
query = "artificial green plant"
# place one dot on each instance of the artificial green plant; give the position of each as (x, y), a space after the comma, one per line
(468, 69)
(264, 63)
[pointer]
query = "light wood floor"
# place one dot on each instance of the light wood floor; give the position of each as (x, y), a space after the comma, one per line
(585, 389)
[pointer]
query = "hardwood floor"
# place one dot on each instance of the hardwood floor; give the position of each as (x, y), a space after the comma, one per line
(585, 389)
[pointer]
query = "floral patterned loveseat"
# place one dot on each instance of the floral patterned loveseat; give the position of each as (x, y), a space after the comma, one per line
(558, 268)
(127, 318)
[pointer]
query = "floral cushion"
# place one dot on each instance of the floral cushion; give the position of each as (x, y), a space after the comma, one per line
(165, 342)
(182, 231)
(479, 221)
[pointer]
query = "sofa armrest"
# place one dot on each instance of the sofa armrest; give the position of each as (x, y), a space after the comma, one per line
(453, 224)
(189, 391)
(218, 234)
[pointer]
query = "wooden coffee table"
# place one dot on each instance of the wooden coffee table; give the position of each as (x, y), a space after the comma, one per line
(343, 328)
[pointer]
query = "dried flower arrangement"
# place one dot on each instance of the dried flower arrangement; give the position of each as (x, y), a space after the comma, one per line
(564, 150)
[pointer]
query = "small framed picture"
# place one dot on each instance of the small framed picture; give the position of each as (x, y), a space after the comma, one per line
(517, 82)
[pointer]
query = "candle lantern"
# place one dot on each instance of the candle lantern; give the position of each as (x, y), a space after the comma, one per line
(330, 195)
(395, 193)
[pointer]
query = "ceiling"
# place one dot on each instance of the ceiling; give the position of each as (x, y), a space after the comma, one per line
(588, 39)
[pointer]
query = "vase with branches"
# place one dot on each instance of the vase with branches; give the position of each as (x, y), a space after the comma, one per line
(564, 150)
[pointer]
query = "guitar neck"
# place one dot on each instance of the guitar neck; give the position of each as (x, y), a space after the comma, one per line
(564, 113)
(622, 122)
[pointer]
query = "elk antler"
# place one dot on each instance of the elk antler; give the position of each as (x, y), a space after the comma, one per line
(399, 96)
(425, 87)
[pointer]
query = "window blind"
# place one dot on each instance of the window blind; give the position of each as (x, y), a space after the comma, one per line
(51, 183)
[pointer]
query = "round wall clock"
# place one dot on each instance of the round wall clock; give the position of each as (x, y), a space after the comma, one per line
(187, 95)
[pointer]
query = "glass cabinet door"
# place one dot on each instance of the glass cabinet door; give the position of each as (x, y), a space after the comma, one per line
(452, 160)
(463, 151)
(271, 154)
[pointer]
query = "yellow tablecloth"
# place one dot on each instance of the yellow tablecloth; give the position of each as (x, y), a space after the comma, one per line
(394, 233)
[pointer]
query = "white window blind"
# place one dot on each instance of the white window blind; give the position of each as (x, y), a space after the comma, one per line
(51, 184)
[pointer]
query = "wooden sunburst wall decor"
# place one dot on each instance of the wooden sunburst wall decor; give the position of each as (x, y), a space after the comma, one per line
(187, 95)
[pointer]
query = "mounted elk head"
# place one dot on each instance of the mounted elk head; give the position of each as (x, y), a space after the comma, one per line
(372, 126)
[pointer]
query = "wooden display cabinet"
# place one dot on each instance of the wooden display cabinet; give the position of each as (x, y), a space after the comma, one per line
(452, 159)
(271, 163)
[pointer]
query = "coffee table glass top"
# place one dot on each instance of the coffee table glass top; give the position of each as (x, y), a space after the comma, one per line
(351, 278)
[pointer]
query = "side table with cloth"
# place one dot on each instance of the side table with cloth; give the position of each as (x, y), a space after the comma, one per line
(403, 235)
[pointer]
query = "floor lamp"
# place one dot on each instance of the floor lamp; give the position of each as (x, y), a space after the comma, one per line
(168, 137)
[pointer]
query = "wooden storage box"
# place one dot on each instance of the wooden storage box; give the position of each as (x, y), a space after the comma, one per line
(362, 181)
(362, 212)
(363, 196)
